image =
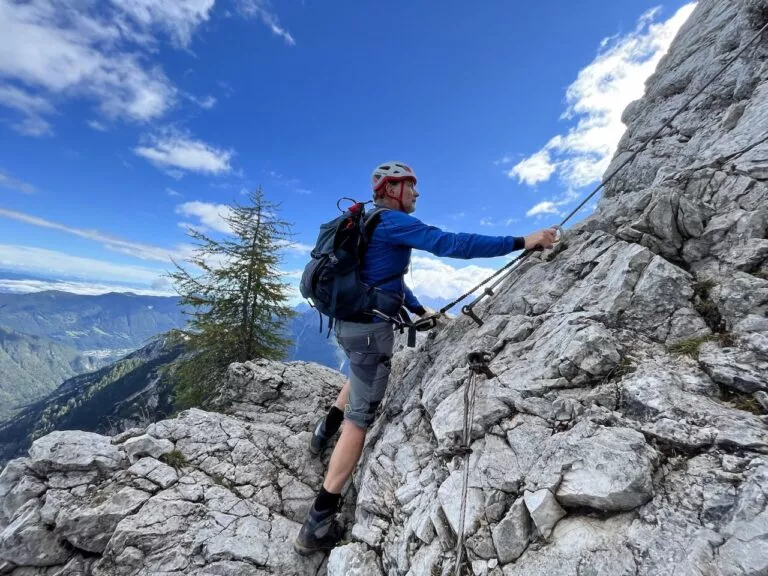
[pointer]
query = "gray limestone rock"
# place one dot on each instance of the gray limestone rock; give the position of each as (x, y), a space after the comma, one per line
(353, 560)
(28, 542)
(743, 370)
(605, 468)
(145, 445)
(544, 510)
(512, 534)
(71, 451)
(89, 525)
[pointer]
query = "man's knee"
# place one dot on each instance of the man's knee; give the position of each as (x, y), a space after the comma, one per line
(360, 421)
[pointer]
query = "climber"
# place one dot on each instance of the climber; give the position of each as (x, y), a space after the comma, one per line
(368, 341)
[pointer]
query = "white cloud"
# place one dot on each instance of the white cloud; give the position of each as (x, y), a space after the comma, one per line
(296, 247)
(172, 192)
(84, 50)
(96, 125)
(510, 221)
(206, 103)
(135, 249)
(51, 262)
(534, 169)
(597, 98)
(7, 182)
(262, 9)
(546, 207)
(73, 287)
(177, 152)
(99, 51)
(179, 18)
(31, 106)
(487, 222)
(436, 279)
(211, 216)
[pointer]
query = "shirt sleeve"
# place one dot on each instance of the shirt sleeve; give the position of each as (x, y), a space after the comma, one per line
(412, 303)
(406, 230)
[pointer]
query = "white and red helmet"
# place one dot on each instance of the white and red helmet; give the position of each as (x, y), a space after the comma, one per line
(390, 172)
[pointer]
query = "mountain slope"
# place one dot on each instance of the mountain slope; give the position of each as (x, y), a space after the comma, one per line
(310, 344)
(32, 366)
(132, 390)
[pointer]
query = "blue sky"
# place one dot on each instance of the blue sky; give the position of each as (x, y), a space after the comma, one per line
(121, 123)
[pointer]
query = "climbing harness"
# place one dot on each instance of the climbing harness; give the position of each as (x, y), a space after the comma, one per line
(402, 322)
(478, 364)
(504, 272)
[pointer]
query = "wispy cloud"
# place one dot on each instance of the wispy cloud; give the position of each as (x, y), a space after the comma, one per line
(210, 216)
(206, 103)
(596, 100)
(487, 222)
(172, 192)
(96, 125)
(296, 247)
(546, 207)
(135, 249)
(31, 106)
(263, 9)
(292, 184)
(173, 150)
(82, 288)
(7, 181)
(41, 261)
(554, 205)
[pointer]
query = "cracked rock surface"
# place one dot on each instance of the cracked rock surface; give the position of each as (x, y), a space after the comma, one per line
(624, 433)
(204, 493)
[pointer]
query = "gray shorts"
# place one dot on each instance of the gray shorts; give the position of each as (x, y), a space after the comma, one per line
(369, 349)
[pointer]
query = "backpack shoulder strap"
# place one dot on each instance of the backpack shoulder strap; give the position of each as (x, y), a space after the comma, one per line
(372, 220)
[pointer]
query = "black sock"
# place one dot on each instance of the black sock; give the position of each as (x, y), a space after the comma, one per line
(326, 500)
(333, 421)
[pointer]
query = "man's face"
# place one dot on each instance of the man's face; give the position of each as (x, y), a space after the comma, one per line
(409, 194)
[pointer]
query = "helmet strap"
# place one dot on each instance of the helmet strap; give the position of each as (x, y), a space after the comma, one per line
(398, 197)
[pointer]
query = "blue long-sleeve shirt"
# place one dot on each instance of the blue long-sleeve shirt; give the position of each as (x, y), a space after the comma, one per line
(397, 233)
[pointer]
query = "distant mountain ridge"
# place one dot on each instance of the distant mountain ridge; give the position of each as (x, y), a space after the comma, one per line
(113, 321)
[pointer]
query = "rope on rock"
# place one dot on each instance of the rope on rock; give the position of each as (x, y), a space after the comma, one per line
(478, 364)
(511, 266)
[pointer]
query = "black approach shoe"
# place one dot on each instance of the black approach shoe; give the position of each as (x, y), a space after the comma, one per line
(320, 532)
(319, 440)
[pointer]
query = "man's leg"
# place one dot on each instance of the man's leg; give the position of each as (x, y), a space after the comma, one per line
(343, 398)
(328, 425)
(345, 456)
(369, 348)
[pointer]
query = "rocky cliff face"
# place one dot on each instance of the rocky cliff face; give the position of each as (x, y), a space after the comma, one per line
(624, 432)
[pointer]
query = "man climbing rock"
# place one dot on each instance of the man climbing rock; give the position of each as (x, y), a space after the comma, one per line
(368, 341)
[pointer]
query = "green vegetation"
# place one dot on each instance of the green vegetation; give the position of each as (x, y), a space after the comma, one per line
(238, 301)
(690, 346)
(175, 459)
(741, 400)
(703, 304)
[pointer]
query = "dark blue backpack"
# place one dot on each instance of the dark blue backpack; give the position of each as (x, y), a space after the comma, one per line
(331, 280)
